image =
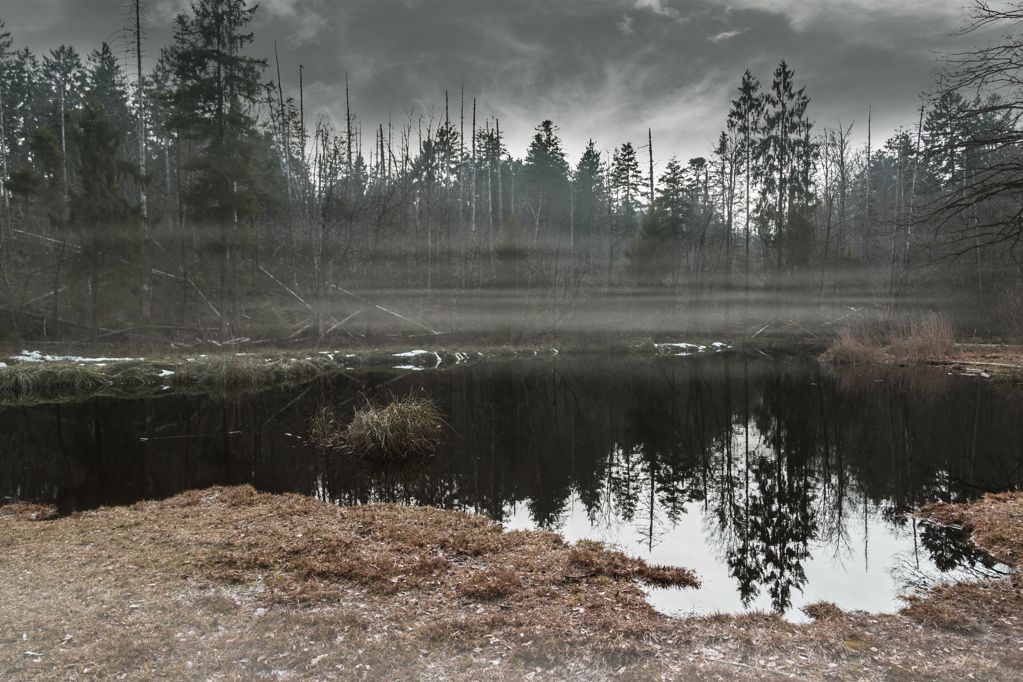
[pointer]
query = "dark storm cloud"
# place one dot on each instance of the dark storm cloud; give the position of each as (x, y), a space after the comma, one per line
(605, 69)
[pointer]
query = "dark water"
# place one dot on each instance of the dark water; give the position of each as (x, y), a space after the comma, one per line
(780, 482)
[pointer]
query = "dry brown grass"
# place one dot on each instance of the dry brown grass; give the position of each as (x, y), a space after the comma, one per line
(994, 524)
(854, 346)
(227, 583)
(824, 610)
(594, 558)
(406, 427)
(490, 584)
(927, 339)
(27, 511)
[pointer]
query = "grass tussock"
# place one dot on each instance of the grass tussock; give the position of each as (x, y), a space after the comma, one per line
(995, 525)
(824, 611)
(409, 427)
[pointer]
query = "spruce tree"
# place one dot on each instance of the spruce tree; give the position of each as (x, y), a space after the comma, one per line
(217, 88)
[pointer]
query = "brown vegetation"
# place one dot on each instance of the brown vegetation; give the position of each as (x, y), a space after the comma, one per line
(854, 346)
(926, 339)
(230, 583)
(406, 427)
(994, 524)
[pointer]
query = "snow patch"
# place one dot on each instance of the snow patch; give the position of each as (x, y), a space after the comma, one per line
(165, 373)
(420, 353)
(36, 356)
(683, 349)
(410, 368)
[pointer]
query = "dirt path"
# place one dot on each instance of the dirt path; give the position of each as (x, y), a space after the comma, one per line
(230, 584)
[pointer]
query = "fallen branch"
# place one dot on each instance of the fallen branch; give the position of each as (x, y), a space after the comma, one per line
(389, 312)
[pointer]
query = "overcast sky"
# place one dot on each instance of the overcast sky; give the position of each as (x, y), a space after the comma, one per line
(605, 69)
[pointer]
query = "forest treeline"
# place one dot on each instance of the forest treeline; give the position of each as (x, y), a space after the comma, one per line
(197, 198)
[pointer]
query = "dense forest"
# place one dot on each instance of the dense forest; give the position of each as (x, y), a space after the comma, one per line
(195, 199)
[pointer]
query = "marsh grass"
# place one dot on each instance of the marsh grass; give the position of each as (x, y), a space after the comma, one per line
(325, 429)
(233, 371)
(928, 338)
(855, 346)
(26, 383)
(24, 380)
(404, 428)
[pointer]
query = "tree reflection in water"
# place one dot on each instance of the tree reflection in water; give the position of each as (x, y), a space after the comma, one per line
(780, 458)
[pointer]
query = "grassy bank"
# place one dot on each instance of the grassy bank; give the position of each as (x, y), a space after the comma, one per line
(927, 340)
(32, 377)
(229, 583)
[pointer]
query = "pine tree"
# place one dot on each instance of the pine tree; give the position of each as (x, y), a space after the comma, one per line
(627, 180)
(546, 176)
(217, 88)
(99, 210)
(63, 84)
(787, 154)
(745, 122)
(588, 192)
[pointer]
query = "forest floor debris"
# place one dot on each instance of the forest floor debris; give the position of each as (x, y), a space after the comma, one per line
(227, 582)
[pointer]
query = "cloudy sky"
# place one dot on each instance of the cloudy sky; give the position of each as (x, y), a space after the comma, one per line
(605, 69)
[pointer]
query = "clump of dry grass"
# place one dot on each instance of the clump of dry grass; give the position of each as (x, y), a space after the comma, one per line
(824, 611)
(596, 559)
(928, 338)
(854, 346)
(936, 613)
(325, 429)
(404, 428)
